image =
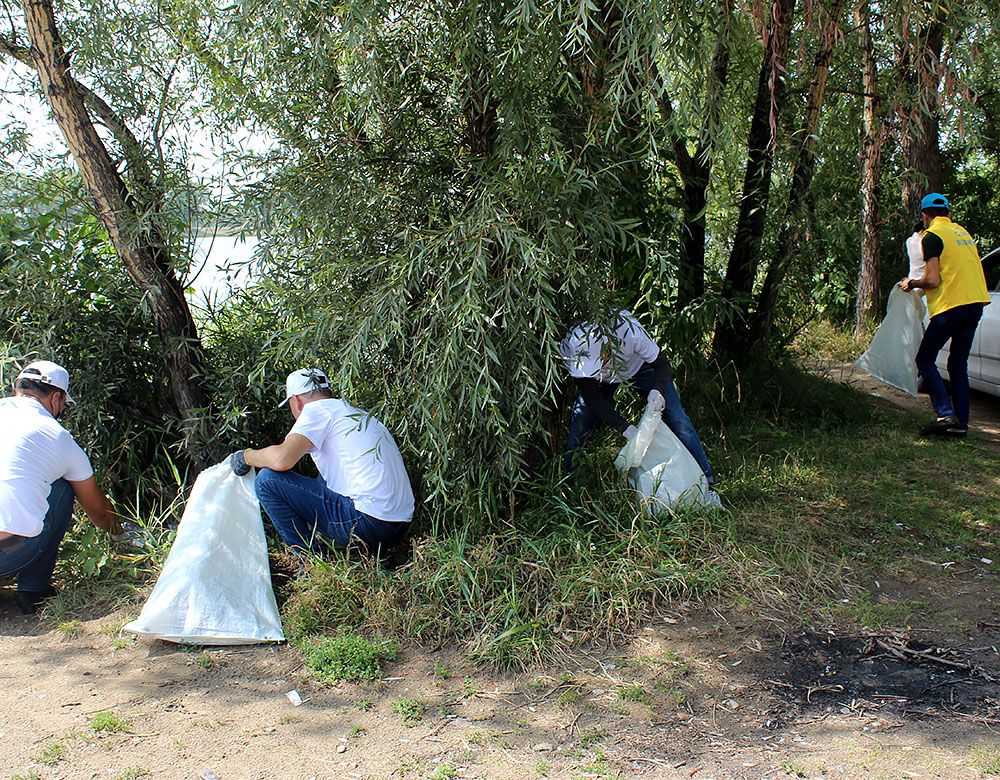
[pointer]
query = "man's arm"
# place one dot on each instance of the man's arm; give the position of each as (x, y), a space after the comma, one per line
(96, 505)
(280, 457)
(929, 281)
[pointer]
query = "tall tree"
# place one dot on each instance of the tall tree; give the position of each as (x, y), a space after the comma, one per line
(130, 217)
(872, 140)
(744, 259)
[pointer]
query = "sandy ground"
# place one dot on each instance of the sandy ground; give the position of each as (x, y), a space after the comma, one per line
(696, 695)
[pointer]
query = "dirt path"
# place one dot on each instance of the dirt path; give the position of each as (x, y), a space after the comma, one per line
(984, 410)
(698, 696)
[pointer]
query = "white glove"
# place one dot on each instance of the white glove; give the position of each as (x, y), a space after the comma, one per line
(655, 401)
(630, 432)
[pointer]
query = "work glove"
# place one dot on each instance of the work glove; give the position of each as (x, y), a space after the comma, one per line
(630, 432)
(132, 534)
(655, 401)
(238, 463)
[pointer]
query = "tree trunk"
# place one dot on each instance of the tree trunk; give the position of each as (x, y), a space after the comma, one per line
(741, 271)
(803, 172)
(920, 78)
(695, 170)
(135, 241)
(872, 137)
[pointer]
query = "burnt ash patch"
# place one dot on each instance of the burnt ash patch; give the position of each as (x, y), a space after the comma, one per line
(815, 671)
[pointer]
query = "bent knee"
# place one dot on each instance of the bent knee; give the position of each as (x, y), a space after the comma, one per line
(264, 480)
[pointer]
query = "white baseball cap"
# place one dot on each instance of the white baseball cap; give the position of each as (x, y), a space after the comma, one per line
(303, 381)
(48, 373)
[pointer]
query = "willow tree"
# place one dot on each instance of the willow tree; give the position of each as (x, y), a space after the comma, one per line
(130, 208)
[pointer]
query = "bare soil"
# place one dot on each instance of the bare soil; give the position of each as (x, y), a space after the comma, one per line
(705, 695)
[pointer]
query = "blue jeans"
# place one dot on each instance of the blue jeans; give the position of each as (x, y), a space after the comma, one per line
(585, 420)
(959, 325)
(310, 516)
(33, 558)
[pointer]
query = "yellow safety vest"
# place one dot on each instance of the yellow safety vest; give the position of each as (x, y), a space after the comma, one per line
(962, 277)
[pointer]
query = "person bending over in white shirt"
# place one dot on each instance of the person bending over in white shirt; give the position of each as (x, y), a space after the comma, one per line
(363, 493)
(42, 468)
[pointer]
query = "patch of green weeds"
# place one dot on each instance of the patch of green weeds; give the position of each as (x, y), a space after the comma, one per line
(987, 758)
(69, 627)
(794, 768)
(286, 720)
(204, 660)
(33, 775)
(109, 722)
(877, 616)
(51, 753)
(365, 705)
(636, 693)
(441, 672)
(591, 737)
(346, 657)
(597, 769)
(410, 710)
(542, 768)
(132, 773)
(568, 697)
(444, 772)
(356, 731)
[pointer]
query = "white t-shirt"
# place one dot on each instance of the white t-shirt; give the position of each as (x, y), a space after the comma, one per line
(358, 458)
(916, 254)
(35, 451)
(590, 355)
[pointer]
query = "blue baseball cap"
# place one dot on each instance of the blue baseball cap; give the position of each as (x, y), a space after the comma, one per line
(934, 200)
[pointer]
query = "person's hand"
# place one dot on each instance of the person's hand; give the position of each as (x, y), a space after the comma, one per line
(656, 401)
(238, 463)
(629, 433)
(904, 285)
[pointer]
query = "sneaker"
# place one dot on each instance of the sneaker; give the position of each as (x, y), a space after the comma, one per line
(30, 600)
(940, 426)
(713, 500)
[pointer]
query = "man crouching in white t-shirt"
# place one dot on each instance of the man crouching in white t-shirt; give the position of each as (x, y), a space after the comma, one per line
(41, 469)
(363, 493)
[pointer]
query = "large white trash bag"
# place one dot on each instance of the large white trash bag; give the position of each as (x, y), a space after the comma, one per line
(215, 587)
(894, 347)
(661, 469)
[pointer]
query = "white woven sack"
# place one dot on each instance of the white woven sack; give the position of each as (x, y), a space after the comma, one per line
(660, 468)
(890, 356)
(215, 587)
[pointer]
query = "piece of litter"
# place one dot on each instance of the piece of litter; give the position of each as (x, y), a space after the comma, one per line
(986, 560)
(294, 698)
(341, 748)
(209, 775)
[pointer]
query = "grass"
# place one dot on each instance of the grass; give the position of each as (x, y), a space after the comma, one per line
(444, 772)
(410, 710)
(987, 758)
(635, 693)
(346, 657)
(109, 722)
(50, 754)
(877, 616)
(204, 660)
(132, 773)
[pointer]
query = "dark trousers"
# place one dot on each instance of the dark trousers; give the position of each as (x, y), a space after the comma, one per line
(310, 516)
(959, 325)
(585, 420)
(33, 558)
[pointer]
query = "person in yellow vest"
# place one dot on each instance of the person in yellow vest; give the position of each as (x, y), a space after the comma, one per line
(956, 291)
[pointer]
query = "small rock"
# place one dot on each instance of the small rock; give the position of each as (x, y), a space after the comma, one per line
(341, 748)
(209, 775)
(543, 747)
(294, 698)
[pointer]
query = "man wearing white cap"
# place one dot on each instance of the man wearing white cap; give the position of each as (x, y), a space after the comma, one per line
(41, 469)
(363, 493)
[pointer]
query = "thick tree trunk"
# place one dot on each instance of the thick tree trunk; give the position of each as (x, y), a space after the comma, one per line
(920, 79)
(872, 137)
(803, 172)
(136, 243)
(741, 271)
(695, 169)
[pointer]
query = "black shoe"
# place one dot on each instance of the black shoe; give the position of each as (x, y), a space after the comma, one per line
(940, 426)
(30, 600)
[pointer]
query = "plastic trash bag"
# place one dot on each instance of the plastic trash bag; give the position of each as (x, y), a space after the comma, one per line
(660, 468)
(215, 587)
(890, 356)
